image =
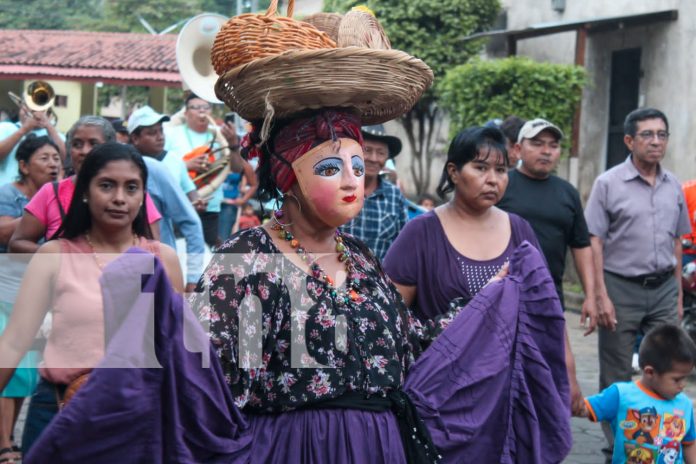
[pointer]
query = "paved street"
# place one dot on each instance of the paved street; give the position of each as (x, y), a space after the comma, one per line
(588, 438)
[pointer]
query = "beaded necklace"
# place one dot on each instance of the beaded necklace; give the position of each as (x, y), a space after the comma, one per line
(340, 295)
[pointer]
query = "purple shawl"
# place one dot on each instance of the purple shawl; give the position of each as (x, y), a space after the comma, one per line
(491, 388)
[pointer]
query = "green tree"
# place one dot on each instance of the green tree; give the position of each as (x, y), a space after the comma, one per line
(47, 14)
(431, 30)
(480, 90)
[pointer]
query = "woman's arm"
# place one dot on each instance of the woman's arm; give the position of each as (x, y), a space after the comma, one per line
(408, 293)
(252, 183)
(170, 261)
(8, 224)
(28, 232)
(34, 299)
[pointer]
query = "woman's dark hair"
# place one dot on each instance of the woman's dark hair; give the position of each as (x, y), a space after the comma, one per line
(267, 189)
(78, 220)
(30, 145)
(470, 144)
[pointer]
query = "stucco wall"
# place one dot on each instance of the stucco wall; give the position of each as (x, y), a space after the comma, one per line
(666, 64)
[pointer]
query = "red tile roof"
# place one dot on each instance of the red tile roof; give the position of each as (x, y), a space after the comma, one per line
(134, 59)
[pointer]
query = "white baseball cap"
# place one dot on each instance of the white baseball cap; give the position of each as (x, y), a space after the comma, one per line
(143, 117)
(530, 129)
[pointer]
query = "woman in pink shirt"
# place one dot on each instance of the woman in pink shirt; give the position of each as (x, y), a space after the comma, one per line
(106, 215)
(44, 213)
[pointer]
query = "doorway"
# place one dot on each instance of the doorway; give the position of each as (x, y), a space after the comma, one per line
(623, 98)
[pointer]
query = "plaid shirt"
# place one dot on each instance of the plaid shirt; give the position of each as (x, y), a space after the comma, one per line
(381, 219)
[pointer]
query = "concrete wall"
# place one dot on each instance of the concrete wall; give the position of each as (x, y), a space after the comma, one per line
(666, 62)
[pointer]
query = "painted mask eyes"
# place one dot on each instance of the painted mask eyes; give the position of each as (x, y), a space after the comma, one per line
(358, 166)
(328, 167)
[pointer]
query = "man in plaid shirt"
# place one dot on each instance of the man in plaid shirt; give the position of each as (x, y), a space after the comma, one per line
(384, 212)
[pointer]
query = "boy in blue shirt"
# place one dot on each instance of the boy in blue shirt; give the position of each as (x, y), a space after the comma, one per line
(652, 420)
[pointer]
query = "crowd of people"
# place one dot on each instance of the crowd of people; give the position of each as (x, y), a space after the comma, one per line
(341, 327)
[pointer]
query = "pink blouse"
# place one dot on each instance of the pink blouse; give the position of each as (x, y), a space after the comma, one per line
(44, 205)
(76, 342)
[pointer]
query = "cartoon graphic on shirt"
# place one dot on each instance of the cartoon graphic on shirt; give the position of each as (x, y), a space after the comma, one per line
(673, 426)
(669, 453)
(640, 456)
(641, 425)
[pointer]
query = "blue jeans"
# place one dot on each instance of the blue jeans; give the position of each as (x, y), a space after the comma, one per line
(228, 216)
(43, 407)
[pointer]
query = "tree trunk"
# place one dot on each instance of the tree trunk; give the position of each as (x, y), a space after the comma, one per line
(422, 126)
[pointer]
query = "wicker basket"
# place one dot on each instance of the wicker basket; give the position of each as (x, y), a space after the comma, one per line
(248, 37)
(327, 22)
(380, 84)
(361, 29)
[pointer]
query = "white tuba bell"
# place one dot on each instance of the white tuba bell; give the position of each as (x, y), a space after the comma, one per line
(193, 54)
(193, 59)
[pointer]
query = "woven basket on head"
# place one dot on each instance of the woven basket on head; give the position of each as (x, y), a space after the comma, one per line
(248, 37)
(380, 84)
(326, 22)
(361, 29)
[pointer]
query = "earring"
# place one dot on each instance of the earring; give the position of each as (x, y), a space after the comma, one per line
(84, 200)
(278, 213)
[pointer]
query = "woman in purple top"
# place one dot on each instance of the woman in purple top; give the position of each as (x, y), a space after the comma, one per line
(450, 253)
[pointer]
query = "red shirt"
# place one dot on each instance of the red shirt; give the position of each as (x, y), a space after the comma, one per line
(689, 189)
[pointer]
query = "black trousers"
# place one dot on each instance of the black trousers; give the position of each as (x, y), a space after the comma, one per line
(210, 228)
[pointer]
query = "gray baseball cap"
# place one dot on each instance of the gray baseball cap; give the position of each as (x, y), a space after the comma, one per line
(532, 128)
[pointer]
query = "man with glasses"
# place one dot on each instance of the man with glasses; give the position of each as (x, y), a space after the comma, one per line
(636, 214)
(182, 139)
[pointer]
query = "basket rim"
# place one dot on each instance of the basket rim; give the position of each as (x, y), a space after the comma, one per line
(410, 67)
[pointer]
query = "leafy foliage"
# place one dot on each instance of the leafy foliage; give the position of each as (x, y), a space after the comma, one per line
(111, 15)
(47, 14)
(432, 30)
(476, 92)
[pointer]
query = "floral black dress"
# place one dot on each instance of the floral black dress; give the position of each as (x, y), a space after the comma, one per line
(365, 344)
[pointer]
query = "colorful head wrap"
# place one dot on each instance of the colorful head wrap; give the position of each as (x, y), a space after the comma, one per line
(300, 136)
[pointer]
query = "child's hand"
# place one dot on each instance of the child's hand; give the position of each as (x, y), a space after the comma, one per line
(582, 412)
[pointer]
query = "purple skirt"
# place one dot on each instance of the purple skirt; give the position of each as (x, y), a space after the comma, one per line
(326, 436)
(491, 388)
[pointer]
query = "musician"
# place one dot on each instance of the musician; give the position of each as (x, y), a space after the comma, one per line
(195, 132)
(12, 134)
